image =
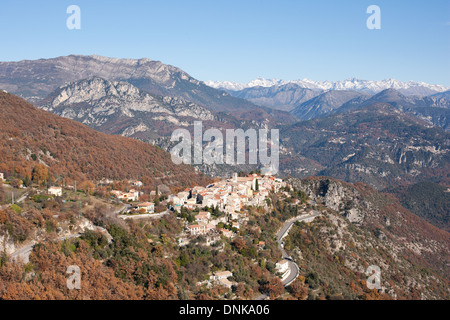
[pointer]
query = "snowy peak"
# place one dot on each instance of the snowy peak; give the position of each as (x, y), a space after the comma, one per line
(235, 86)
(354, 84)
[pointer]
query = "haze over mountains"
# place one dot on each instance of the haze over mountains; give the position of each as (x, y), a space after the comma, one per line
(435, 110)
(325, 103)
(307, 99)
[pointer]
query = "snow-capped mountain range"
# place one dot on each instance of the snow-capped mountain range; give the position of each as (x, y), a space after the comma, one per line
(367, 86)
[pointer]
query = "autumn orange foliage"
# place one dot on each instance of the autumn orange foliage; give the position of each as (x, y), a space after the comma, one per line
(32, 140)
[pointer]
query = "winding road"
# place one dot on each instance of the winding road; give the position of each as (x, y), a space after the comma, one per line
(21, 199)
(283, 232)
(145, 216)
(23, 254)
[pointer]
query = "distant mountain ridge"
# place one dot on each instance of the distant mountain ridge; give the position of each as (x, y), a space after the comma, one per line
(354, 84)
(435, 110)
(445, 94)
(284, 97)
(307, 99)
(378, 145)
(326, 103)
(308, 104)
(325, 131)
(118, 107)
(35, 79)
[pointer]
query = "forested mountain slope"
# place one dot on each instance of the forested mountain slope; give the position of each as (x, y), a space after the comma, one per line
(29, 136)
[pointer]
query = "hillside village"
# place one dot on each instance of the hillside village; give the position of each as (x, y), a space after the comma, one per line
(218, 209)
(226, 236)
(228, 196)
(230, 237)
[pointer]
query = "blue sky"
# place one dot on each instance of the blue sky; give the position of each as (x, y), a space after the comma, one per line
(241, 40)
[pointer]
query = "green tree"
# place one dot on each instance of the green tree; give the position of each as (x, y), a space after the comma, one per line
(27, 181)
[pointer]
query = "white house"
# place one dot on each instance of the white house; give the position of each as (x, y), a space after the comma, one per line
(203, 217)
(138, 183)
(201, 228)
(133, 195)
(149, 207)
(221, 275)
(283, 268)
(183, 196)
(222, 278)
(183, 241)
(197, 229)
(233, 215)
(206, 199)
(175, 200)
(227, 233)
(191, 203)
(227, 283)
(211, 200)
(56, 191)
(2, 176)
(106, 181)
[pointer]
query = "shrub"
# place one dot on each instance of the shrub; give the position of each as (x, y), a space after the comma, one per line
(39, 198)
(16, 208)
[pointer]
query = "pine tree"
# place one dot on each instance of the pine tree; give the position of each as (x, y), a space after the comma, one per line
(27, 181)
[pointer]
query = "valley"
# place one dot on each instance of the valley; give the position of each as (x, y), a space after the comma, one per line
(363, 181)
